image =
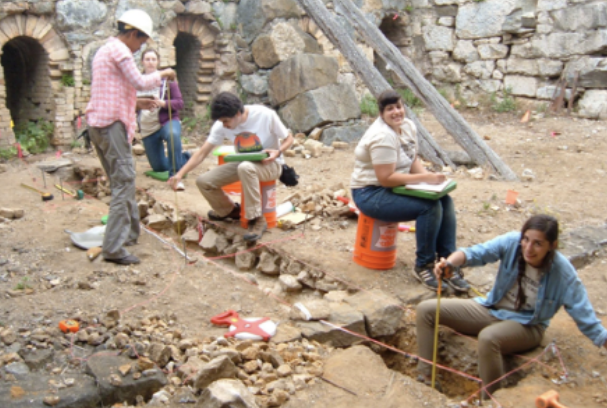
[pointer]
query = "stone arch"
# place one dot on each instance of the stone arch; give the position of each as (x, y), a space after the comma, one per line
(393, 28)
(43, 58)
(188, 44)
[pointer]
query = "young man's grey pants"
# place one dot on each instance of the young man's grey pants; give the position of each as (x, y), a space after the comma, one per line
(114, 151)
(249, 174)
(495, 337)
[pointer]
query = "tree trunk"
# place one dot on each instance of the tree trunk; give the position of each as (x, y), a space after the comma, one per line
(376, 83)
(451, 120)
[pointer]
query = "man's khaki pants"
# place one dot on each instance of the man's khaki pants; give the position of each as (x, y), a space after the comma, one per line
(114, 151)
(249, 174)
(495, 337)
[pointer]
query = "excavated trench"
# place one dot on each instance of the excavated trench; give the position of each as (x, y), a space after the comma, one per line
(455, 351)
(459, 353)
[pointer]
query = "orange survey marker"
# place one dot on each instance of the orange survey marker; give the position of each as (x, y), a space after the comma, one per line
(251, 328)
(549, 399)
(69, 326)
(511, 197)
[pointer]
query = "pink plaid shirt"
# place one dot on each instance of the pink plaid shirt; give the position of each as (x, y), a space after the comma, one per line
(115, 83)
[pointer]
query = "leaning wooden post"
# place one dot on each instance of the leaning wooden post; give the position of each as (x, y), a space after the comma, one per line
(376, 83)
(451, 120)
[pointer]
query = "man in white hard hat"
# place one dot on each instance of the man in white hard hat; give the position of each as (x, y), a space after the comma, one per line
(111, 118)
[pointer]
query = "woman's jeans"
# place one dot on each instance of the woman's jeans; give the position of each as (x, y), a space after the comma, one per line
(154, 148)
(435, 223)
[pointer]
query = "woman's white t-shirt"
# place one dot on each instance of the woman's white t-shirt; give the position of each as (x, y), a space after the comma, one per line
(530, 285)
(382, 145)
(262, 121)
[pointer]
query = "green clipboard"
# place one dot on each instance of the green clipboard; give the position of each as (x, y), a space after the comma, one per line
(429, 195)
(237, 157)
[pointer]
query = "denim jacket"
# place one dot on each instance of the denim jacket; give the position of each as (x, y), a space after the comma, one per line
(561, 286)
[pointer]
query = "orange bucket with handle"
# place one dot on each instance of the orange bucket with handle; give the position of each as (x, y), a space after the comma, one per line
(375, 246)
(268, 204)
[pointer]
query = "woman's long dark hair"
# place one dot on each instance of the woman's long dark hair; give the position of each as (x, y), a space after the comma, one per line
(550, 227)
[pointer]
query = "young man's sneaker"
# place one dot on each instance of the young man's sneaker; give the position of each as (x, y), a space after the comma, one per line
(257, 227)
(457, 281)
(425, 274)
(234, 214)
(180, 186)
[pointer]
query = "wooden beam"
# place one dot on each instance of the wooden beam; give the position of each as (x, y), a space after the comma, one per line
(451, 120)
(335, 32)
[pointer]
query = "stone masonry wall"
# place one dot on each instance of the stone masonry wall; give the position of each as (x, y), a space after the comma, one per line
(523, 46)
(63, 36)
(477, 47)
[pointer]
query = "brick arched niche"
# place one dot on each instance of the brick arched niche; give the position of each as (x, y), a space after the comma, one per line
(188, 44)
(34, 59)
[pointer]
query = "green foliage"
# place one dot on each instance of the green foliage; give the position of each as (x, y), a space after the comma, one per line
(34, 136)
(86, 81)
(8, 153)
(23, 284)
(368, 105)
(68, 80)
(233, 26)
(408, 8)
(478, 1)
(443, 92)
(74, 144)
(505, 103)
(409, 98)
(198, 122)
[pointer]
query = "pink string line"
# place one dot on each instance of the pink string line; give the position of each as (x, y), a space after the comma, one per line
(347, 283)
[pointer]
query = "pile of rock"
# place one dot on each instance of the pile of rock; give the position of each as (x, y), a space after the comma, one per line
(94, 181)
(311, 147)
(151, 359)
(323, 201)
(293, 276)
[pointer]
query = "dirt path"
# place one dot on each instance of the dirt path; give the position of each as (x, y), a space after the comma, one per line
(565, 156)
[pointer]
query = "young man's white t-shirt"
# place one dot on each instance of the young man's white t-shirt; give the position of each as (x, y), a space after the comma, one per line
(262, 121)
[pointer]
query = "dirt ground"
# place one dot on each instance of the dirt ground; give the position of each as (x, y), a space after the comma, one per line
(566, 157)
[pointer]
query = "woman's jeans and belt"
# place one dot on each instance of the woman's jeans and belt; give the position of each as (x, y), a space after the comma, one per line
(435, 222)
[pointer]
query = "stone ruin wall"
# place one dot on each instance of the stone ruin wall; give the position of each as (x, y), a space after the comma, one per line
(474, 47)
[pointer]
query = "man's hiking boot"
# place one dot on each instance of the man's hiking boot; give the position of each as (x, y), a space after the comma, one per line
(257, 227)
(234, 214)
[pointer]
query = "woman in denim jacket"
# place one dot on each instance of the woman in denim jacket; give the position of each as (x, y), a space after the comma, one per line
(533, 281)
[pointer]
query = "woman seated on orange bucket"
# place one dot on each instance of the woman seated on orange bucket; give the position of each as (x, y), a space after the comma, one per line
(386, 157)
(533, 281)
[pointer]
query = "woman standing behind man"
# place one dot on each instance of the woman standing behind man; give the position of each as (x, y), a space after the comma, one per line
(386, 157)
(155, 126)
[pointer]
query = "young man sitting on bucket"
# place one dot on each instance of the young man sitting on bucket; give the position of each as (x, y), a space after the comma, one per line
(251, 128)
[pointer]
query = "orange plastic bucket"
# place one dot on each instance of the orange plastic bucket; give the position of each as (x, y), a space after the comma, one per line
(234, 188)
(268, 204)
(375, 246)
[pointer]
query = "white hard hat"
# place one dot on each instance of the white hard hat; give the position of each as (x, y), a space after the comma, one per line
(138, 19)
